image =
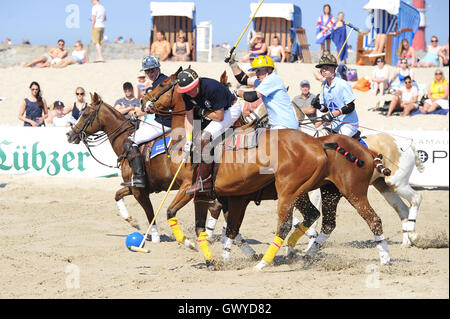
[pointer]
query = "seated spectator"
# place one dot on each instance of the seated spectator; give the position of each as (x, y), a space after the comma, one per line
(128, 104)
(431, 58)
(405, 51)
(119, 40)
(380, 77)
(141, 85)
(160, 48)
(78, 106)
(443, 55)
(54, 55)
(57, 118)
(401, 72)
(257, 48)
(181, 50)
(405, 98)
(437, 94)
(276, 51)
(78, 56)
(303, 101)
(33, 111)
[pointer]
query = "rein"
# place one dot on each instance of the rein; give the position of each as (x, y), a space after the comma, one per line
(153, 100)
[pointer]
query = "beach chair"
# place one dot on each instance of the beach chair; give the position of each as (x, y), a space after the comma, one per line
(396, 15)
(171, 17)
(282, 20)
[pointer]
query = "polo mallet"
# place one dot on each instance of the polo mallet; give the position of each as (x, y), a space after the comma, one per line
(143, 250)
(352, 27)
(243, 32)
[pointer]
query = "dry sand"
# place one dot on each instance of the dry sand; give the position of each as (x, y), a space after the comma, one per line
(54, 228)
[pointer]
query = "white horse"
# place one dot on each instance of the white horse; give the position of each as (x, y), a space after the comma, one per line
(400, 160)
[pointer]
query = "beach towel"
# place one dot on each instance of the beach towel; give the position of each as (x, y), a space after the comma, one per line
(338, 37)
(322, 35)
(440, 112)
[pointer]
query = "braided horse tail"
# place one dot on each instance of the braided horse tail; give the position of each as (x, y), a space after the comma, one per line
(377, 158)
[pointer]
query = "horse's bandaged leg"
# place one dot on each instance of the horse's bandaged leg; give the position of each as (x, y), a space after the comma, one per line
(179, 235)
(412, 216)
(317, 244)
(405, 238)
(204, 246)
(244, 246)
(210, 226)
(226, 253)
(295, 236)
(382, 249)
(271, 252)
(122, 208)
(154, 233)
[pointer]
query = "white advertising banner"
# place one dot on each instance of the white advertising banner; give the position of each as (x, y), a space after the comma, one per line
(44, 151)
(433, 150)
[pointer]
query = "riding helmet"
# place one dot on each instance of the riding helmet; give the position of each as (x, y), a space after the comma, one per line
(187, 80)
(150, 62)
(262, 61)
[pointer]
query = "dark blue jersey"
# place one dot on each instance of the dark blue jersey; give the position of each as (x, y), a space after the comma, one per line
(164, 120)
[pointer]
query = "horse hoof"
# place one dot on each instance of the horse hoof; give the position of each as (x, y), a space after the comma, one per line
(413, 236)
(213, 265)
(133, 223)
(256, 257)
(156, 238)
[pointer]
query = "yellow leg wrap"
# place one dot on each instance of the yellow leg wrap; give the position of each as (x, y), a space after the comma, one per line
(273, 249)
(204, 245)
(179, 235)
(295, 236)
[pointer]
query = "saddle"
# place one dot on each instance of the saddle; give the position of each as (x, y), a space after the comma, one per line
(243, 139)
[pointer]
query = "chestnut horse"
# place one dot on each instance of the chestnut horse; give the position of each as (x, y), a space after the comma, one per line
(295, 162)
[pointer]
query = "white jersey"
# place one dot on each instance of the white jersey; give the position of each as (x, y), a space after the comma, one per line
(100, 15)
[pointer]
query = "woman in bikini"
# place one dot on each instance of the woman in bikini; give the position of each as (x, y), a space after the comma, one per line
(180, 50)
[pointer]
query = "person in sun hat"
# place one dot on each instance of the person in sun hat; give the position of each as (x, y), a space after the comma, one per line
(337, 99)
(218, 109)
(270, 87)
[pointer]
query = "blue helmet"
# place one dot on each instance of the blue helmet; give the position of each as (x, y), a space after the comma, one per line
(150, 62)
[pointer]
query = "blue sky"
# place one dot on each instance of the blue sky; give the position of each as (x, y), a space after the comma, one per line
(44, 21)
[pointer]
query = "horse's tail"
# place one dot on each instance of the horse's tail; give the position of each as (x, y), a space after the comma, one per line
(378, 163)
(349, 156)
(417, 160)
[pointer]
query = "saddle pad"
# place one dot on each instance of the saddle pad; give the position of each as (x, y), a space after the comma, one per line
(158, 147)
(243, 140)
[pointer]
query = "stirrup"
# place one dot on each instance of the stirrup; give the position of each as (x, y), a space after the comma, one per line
(134, 183)
(198, 187)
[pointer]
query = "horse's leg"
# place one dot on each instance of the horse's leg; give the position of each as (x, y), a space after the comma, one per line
(330, 196)
(201, 212)
(120, 194)
(358, 199)
(180, 200)
(397, 203)
(310, 215)
(214, 210)
(142, 196)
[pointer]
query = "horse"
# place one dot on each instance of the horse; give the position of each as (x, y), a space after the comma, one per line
(100, 116)
(338, 165)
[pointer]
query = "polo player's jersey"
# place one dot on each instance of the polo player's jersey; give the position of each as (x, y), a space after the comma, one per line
(335, 97)
(277, 101)
(213, 96)
(164, 120)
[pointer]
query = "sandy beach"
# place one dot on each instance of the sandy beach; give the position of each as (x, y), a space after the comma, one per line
(52, 228)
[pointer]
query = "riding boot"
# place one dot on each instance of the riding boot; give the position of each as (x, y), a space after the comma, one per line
(203, 183)
(136, 161)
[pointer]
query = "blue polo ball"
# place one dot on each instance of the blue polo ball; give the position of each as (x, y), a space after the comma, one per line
(134, 239)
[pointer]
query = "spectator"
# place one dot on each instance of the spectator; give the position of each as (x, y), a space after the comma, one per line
(128, 104)
(57, 118)
(380, 77)
(130, 41)
(443, 55)
(257, 48)
(181, 50)
(141, 85)
(303, 101)
(431, 59)
(383, 23)
(405, 98)
(79, 56)
(54, 55)
(161, 47)
(119, 40)
(401, 72)
(98, 27)
(339, 37)
(437, 94)
(276, 51)
(324, 27)
(78, 106)
(34, 107)
(405, 51)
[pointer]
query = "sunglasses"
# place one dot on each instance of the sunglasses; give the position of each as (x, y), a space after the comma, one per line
(434, 41)
(438, 73)
(407, 82)
(34, 89)
(151, 70)
(379, 61)
(403, 62)
(79, 94)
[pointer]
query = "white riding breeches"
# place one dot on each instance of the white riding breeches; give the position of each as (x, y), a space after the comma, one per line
(229, 117)
(348, 130)
(148, 131)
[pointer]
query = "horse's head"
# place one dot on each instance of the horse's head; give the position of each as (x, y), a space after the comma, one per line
(162, 98)
(88, 123)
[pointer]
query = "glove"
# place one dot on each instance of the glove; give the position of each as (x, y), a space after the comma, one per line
(315, 102)
(134, 117)
(187, 147)
(327, 118)
(230, 57)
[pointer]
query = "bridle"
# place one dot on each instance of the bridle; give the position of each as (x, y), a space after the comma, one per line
(153, 100)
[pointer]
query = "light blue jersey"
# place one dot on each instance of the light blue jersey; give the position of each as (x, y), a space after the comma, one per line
(277, 101)
(335, 97)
